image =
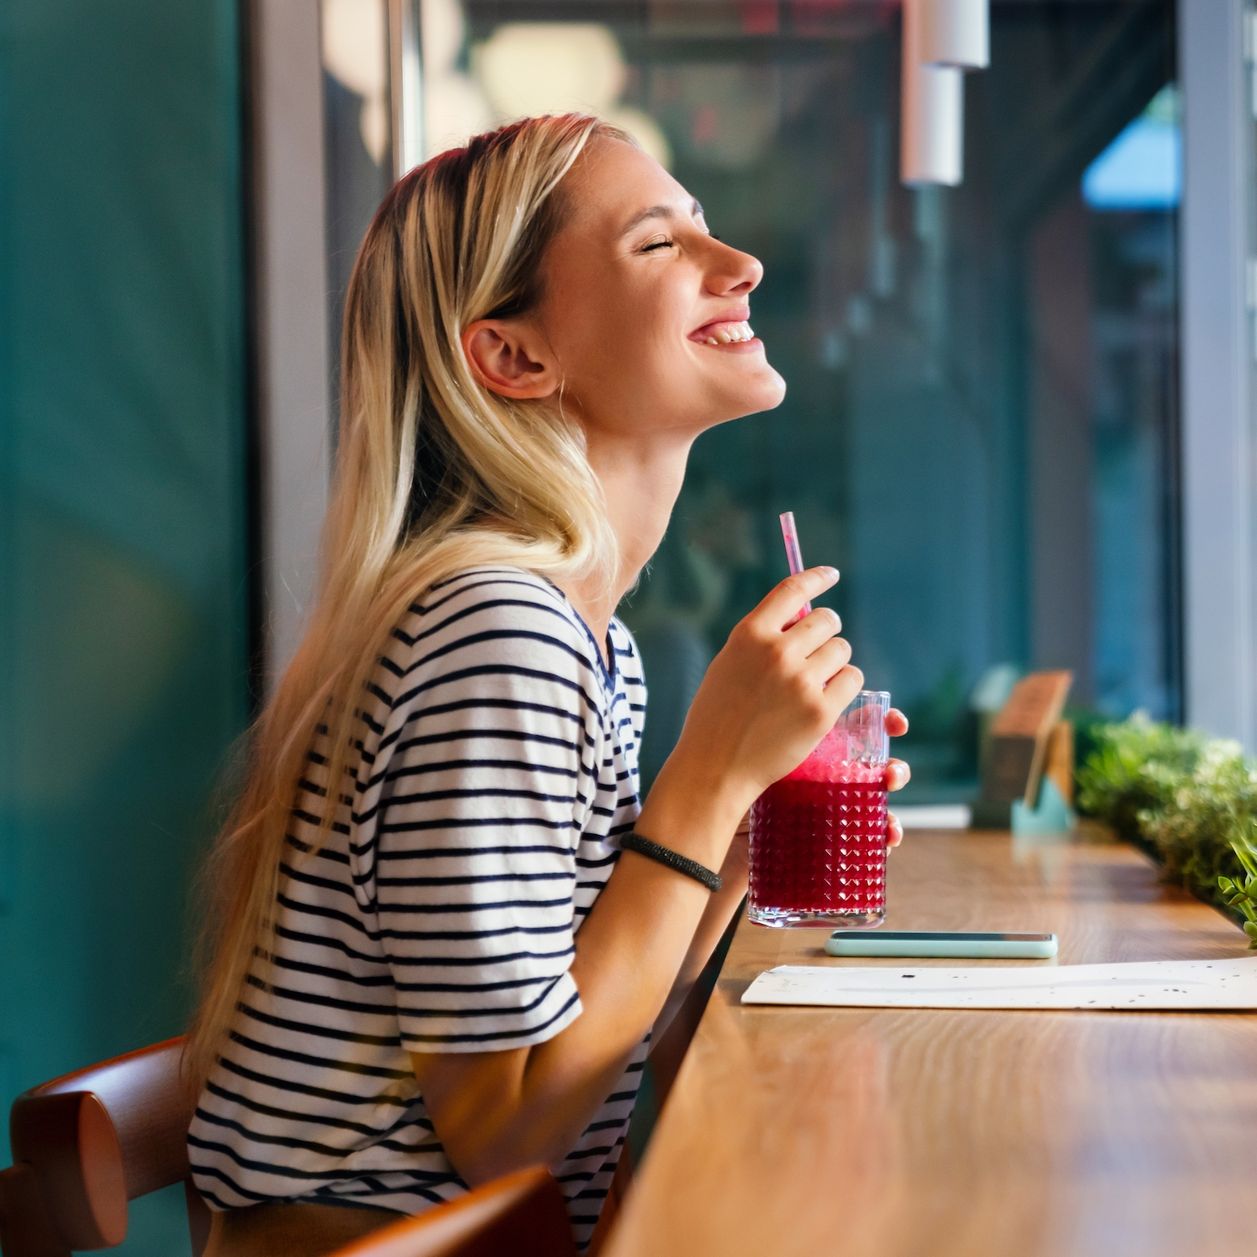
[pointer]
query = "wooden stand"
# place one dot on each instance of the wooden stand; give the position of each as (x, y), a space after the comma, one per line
(1028, 742)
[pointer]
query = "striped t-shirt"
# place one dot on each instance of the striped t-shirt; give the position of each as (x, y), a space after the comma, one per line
(498, 767)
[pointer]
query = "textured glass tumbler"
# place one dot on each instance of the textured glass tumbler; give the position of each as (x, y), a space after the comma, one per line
(818, 836)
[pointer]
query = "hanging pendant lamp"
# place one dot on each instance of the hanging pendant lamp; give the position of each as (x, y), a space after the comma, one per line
(932, 111)
(942, 39)
(955, 33)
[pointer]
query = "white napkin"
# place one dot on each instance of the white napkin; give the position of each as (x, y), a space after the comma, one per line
(1144, 985)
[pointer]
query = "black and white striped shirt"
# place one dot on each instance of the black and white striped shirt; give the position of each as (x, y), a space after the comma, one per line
(498, 767)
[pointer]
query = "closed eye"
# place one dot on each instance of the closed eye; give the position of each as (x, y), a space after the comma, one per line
(668, 244)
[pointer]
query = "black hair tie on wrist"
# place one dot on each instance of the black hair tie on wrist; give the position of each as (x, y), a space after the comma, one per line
(673, 859)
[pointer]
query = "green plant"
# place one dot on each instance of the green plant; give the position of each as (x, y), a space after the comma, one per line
(1191, 799)
(1134, 767)
(1193, 826)
(1244, 897)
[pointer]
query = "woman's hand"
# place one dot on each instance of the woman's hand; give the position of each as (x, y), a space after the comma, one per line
(898, 774)
(771, 693)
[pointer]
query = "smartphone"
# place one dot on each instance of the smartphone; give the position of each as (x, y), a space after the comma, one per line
(938, 943)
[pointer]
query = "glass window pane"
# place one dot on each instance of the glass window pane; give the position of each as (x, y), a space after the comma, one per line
(980, 426)
(357, 151)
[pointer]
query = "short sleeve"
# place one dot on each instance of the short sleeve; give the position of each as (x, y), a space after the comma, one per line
(483, 779)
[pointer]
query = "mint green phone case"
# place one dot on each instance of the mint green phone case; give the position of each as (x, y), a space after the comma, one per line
(973, 946)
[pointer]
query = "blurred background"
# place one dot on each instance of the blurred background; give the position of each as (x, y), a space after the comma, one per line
(1019, 418)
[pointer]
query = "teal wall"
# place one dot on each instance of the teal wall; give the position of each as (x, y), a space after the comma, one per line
(123, 515)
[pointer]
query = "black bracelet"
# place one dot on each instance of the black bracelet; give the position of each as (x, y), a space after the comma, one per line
(673, 859)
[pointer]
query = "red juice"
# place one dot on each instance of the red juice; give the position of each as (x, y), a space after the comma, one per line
(818, 843)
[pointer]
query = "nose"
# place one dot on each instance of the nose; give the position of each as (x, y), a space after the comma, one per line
(732, 271)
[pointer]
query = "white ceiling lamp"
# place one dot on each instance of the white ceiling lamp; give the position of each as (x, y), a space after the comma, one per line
(956, 33)
(941, 39)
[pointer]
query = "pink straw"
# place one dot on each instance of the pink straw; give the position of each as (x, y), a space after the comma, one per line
(794, 556)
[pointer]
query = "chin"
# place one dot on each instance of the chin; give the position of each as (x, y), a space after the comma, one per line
(778, 393)
(762, 400)
(768, 396)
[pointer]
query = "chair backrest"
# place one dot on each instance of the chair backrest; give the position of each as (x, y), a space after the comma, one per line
(522, 1214)
(87, 1143)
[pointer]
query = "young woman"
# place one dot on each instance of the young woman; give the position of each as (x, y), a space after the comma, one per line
(434, 960)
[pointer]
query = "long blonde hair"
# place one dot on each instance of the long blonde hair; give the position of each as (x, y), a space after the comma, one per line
(434, 474)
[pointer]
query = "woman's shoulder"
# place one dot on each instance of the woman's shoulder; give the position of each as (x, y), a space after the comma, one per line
(499, 610)
(501, 584)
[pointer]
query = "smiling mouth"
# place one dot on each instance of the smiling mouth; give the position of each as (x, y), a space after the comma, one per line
(723, 335)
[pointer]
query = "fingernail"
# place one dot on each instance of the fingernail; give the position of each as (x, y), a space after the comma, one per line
(830, 573)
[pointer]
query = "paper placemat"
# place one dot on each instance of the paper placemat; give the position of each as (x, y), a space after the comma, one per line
(1131, 987)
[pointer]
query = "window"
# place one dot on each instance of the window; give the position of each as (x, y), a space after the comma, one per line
(981, 427)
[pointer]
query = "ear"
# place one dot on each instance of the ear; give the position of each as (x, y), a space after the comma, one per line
(510, 359)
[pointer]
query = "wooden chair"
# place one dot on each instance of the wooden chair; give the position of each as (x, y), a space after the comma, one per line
(522, 1214)
(86, 1144)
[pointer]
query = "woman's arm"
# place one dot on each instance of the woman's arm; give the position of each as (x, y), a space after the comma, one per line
(766, 700)
(734, 874)
(720, 911)
(638, 957)
(499, 1111)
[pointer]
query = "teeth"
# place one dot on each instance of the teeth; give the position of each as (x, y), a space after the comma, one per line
(730, 333)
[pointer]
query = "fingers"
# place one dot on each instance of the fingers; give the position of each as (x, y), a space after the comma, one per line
(894, 830)
(826, 661)
(785, 602)
(896, 723)
(812, 631)
(842, 687)
(898, 775)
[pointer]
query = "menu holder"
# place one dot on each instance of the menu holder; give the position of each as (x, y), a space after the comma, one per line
(1058, 767)
(1028, 742)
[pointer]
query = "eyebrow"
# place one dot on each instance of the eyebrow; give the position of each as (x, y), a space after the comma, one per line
(657, 211)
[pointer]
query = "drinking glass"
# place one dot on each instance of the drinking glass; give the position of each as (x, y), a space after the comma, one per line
(818, 836)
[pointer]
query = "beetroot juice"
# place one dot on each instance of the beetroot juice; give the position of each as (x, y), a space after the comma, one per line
(818, 842)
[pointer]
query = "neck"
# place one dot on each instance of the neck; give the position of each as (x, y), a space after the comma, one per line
(641, 482)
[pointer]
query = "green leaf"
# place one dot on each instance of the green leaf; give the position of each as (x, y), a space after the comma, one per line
(1192, 800)
(1246, 858)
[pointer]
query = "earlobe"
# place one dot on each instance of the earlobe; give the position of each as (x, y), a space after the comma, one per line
(508, 360)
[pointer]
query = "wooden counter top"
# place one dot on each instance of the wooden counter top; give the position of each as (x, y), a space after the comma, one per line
(939, 1133)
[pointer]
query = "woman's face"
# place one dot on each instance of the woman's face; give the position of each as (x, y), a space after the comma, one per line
(647, 314)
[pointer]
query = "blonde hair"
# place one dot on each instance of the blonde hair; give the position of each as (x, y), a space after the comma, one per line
(434, 474)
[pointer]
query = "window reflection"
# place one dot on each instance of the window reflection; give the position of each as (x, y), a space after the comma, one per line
(357, 140)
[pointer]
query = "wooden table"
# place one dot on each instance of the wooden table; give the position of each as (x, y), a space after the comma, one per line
(939, 1133)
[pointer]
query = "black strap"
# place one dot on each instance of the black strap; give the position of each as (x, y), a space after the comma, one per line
(673, 859)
